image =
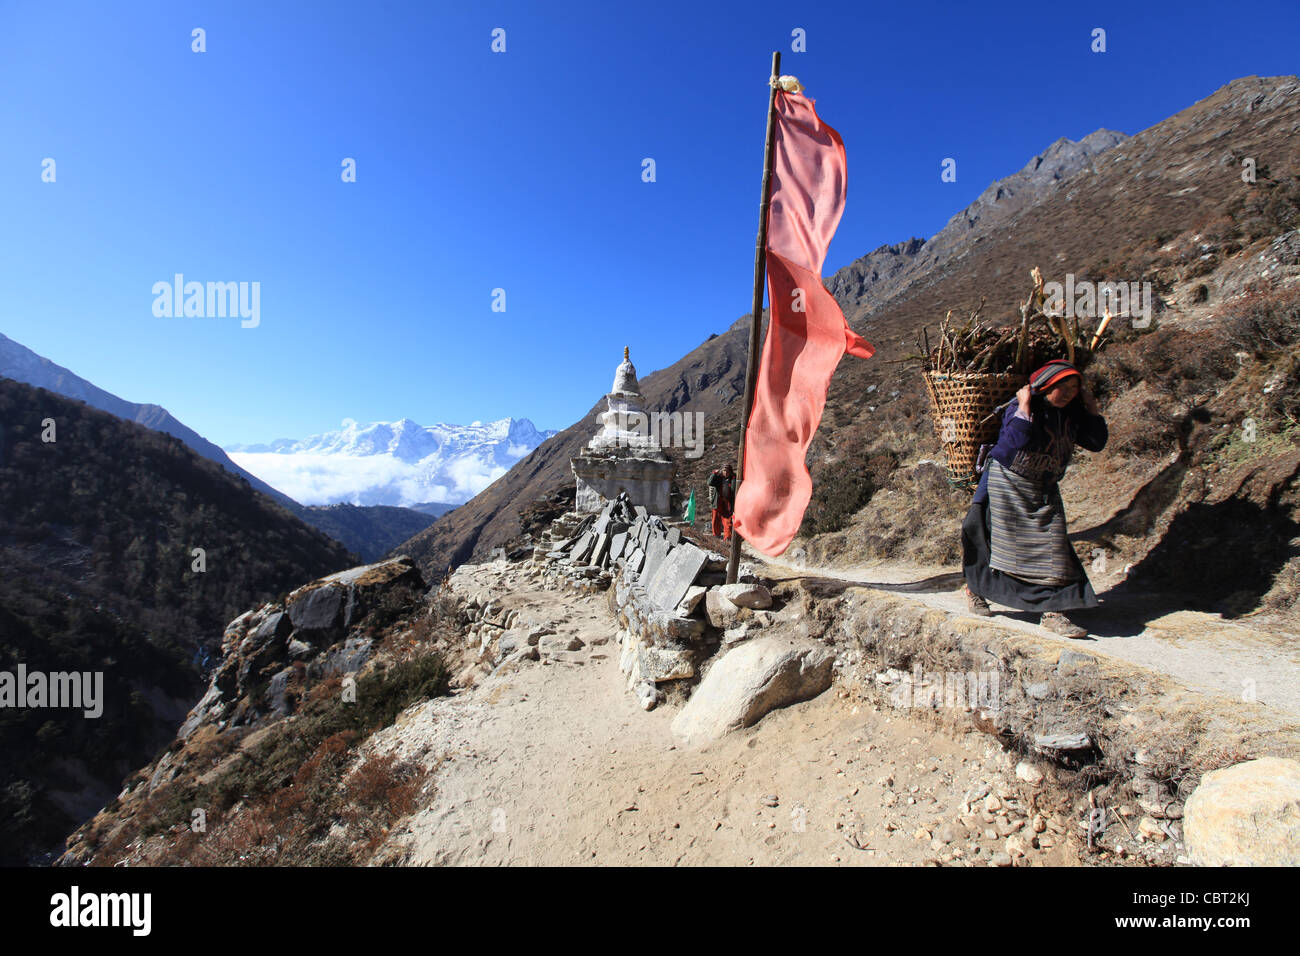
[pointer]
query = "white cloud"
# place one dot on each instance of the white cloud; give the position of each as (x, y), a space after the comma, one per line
(472, 475)
(367, 480)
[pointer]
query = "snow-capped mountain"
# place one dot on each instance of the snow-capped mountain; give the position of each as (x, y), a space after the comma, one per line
(392, 463)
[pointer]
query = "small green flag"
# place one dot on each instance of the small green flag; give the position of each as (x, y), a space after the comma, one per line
(690, 509)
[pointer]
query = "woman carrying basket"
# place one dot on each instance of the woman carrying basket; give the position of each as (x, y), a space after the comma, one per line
(1014, 546)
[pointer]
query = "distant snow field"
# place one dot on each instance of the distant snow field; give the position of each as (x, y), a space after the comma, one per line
(392, 463)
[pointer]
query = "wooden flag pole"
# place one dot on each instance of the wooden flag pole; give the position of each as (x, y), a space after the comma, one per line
(755, 325)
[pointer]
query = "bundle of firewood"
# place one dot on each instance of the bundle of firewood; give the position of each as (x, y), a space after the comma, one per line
(972, 346)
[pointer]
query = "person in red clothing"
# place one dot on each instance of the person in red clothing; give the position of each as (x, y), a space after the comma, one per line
(722, 499)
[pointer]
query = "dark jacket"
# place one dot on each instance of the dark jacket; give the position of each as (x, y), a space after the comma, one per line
(1041, 448)
(722, 492)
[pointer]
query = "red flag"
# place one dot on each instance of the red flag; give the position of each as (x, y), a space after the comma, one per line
(806, 333)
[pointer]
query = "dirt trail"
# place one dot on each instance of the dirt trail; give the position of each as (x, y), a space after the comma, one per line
(1202, 651)
(557, 764)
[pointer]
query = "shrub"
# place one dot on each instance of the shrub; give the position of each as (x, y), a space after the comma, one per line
(1264, 323)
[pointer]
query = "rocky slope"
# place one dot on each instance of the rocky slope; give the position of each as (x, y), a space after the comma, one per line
(121, 552)
(328, 736)
(301, 681)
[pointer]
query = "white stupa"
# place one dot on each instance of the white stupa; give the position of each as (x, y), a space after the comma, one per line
(623, 456)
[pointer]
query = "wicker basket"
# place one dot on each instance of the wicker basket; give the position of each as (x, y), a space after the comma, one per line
(961, 404)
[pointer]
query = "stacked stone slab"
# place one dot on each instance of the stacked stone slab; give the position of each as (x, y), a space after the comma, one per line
(600, 540)
(562, 535)
(661, 637)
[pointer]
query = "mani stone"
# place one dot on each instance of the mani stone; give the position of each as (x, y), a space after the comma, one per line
(675, 576)
(617, 545)
(581, 549)
(656, 550)
(598, 552)
(637, 559)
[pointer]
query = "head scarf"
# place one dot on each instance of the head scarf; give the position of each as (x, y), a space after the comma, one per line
(1051, 373)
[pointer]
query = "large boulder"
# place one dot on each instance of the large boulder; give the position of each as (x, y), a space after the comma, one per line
(324, 609)
(275, 625)
(751, 680)
(1246, 815)
(369, 582)
(317, 611)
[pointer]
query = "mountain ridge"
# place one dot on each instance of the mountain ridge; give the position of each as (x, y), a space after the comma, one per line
(368, 530)
(21, 364)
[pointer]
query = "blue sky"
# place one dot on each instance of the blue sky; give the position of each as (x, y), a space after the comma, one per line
(518, 170)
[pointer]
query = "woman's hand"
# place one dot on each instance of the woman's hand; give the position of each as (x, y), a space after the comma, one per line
(1022, 397)
(1089, 401)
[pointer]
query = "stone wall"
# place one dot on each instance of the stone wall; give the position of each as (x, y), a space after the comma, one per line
(669, 597)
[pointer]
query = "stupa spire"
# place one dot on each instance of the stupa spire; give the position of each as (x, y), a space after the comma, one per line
(625, 382)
